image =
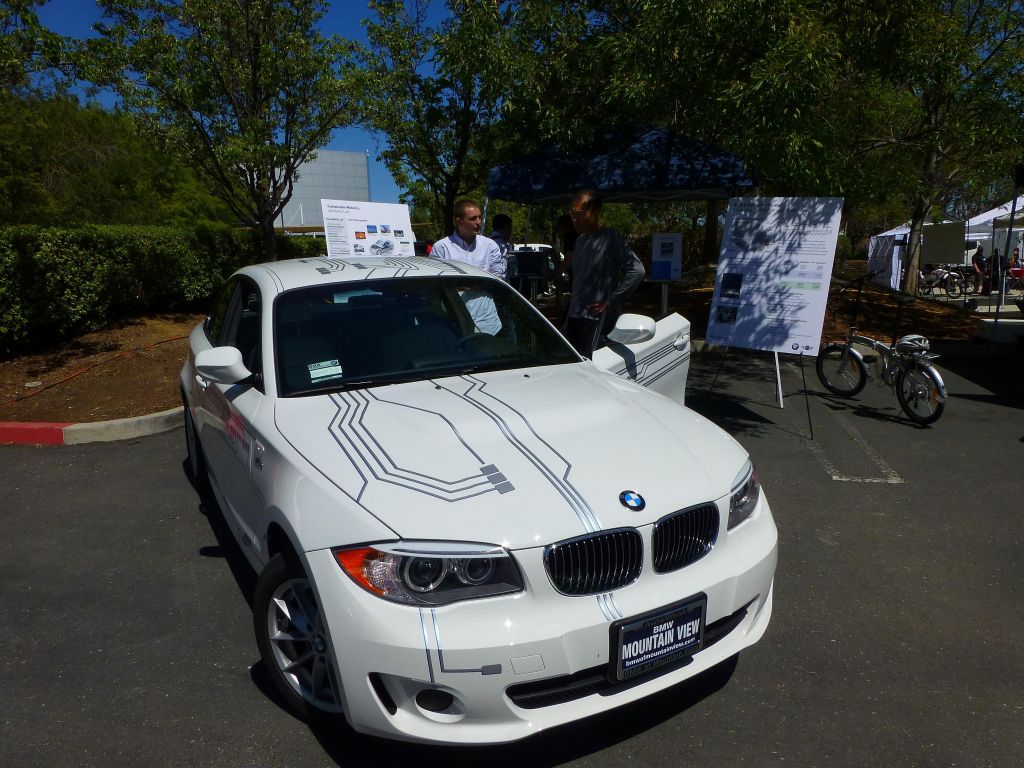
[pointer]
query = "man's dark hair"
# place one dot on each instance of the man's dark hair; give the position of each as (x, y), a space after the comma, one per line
(590, 199)
(461, 205)
(500, 221)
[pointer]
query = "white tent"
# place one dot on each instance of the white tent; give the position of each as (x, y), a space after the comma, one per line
(1003, 222)
(884, 256)
(979, 228)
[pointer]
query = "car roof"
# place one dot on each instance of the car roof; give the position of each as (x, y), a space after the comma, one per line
(279, 276)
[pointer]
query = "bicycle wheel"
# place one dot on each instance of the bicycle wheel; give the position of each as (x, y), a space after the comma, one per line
(917, 389)
(841, 372)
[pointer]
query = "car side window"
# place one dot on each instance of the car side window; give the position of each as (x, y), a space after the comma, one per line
(248, 332)
(215, 322)
(239, 325)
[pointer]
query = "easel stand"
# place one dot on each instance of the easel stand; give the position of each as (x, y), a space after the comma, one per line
(778, 384)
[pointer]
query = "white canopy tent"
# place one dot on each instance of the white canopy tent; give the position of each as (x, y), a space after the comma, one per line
(979, 228)
(1003, 222)
(885, 255)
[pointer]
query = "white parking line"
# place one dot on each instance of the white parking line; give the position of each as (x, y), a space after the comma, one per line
(889, 475)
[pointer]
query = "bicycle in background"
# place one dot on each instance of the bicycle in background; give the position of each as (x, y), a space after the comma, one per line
(904, 365)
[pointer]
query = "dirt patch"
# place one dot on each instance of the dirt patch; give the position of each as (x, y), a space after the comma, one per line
(132, 369)
(127, 370)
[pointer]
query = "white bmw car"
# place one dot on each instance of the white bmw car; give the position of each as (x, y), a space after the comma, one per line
(461, 536)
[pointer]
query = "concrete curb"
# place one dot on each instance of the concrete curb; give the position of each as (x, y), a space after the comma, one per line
(65, 433)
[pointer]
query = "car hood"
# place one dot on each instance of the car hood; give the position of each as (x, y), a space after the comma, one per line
(517, 458)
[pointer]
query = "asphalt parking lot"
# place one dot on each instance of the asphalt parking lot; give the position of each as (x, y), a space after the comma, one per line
(897, 638)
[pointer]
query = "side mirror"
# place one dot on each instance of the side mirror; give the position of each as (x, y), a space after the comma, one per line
(223, 365)
(633, 329)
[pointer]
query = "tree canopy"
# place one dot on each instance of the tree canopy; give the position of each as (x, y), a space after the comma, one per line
(244, 91)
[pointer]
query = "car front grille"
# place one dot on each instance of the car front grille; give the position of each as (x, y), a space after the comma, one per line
(684, 537)
(595, 563)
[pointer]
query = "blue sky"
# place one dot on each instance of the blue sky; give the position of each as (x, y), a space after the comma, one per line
(74, 18)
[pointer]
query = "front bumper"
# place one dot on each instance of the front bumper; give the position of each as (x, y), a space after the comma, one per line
(482, 651)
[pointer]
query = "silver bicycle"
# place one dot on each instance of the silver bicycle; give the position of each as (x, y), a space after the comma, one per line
(904, 365)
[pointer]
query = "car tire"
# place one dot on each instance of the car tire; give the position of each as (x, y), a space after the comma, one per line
(293, 643)
(196, 459)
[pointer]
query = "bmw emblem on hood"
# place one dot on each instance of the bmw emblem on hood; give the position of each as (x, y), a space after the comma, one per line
(632, 500)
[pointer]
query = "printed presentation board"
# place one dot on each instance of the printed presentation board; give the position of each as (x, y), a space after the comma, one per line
(773, 273)
(356, 229)
(667, 256)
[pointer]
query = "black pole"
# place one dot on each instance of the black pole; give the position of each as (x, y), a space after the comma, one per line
(720, 367)
(807, 401)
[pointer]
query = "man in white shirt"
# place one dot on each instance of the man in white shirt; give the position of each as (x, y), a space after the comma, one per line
(467, 245)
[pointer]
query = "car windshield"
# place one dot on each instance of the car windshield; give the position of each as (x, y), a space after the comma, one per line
(352, 335)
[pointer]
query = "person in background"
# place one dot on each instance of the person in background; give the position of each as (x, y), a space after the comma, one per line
(502, 232)
(605, 272)
(997, 268)
(979, 263)
(467, 245)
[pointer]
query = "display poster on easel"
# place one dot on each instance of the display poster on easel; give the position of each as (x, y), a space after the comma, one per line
(773, 273)
(357, 229)
(667, 256)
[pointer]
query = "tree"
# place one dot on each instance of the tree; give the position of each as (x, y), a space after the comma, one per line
(64, 163)
(246, 91)
(27, 50)
(958, 68)
(436, 93)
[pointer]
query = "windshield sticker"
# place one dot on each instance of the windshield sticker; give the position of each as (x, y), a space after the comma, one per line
(328, 369)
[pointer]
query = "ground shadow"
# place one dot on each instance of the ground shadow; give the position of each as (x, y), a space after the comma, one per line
(998, 369)
(226, 547)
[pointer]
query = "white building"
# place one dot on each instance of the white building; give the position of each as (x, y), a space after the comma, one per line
(334, 176)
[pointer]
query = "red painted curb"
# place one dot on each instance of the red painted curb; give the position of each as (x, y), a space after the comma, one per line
(33, 432)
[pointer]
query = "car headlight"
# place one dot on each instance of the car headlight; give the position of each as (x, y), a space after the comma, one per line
(746, 490)
(430, 572)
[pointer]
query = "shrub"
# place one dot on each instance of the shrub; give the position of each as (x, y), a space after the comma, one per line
(57, 282)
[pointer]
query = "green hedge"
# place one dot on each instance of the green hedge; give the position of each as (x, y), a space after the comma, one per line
(58, 282)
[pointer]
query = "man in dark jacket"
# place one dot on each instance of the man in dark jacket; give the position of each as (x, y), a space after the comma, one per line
(605, 272)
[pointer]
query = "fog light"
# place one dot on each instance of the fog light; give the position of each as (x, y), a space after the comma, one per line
(434, 700)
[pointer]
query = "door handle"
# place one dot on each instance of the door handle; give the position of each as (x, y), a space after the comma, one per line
(257, 455)
(204, 383)
(681, 343)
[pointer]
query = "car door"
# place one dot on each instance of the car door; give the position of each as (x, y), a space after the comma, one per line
(230, 410)
(660, 363)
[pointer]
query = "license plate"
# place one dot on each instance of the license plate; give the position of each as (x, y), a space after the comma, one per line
(657, 638)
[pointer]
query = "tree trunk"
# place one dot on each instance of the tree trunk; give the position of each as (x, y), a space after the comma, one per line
(922, 203)
(450, 195)
(268, 237)
(912, 261)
